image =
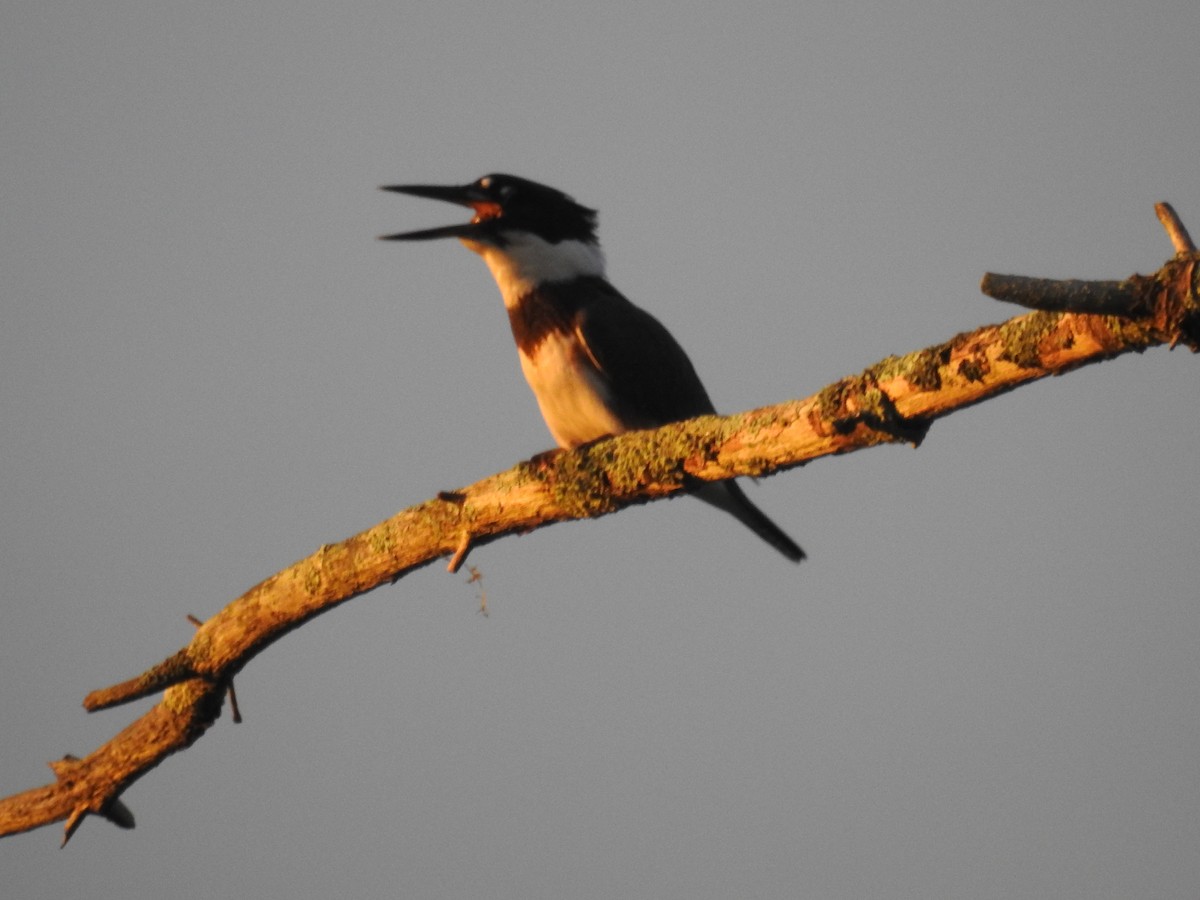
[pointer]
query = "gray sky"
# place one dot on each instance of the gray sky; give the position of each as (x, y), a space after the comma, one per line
(983, 683)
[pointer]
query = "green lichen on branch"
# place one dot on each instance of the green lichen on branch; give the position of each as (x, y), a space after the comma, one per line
(1022, 338)
(921, 368)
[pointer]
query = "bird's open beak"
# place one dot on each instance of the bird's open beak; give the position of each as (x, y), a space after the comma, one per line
(468, 195)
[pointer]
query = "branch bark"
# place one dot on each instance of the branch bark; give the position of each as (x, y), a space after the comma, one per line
(895, 400)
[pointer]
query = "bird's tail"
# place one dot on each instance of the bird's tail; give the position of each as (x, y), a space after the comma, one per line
(730, 497)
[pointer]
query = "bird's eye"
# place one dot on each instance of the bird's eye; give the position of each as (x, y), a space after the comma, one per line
(485, 182)
(507, 191)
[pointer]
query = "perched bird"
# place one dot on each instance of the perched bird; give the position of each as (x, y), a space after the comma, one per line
(597, 364)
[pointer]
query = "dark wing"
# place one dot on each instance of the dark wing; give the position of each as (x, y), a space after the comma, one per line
(644, 366)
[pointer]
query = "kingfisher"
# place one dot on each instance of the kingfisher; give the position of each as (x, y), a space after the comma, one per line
(597, 364)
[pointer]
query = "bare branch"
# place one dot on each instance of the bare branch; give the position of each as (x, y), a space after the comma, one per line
(1103, 298)
(895, 400)
(1180, 239)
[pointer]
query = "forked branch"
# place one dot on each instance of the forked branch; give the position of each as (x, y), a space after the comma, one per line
(895, 400)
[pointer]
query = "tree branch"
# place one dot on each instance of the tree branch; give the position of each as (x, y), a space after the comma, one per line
(1175, 231)
(895, 400)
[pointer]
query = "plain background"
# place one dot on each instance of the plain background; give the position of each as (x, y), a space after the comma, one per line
(983, 683)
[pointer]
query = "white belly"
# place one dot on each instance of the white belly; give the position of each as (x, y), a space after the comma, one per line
(573, 398)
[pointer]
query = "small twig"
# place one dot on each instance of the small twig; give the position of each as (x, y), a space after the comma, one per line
(175, 669)
(477, 578)
(235, 714)
(460, 555)
(1127, 298)
(1180, 239)
(457, 498)
(1103, 298)
(78, 814)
